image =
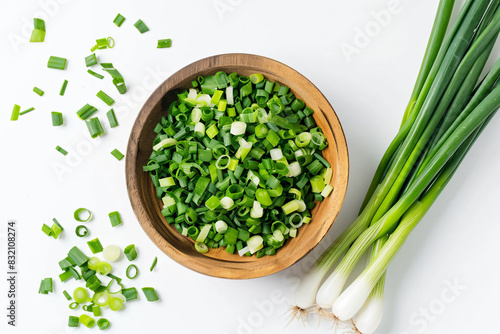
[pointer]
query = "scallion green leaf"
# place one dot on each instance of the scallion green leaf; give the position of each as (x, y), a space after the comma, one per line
(141, 26)
(81, 231)
(119, 19)
(87, 215)
(150, 294)
(115, 218)
(38, 33)
(105, 98)
(57, 118)
(95, 246)
(117, 154)
(26, 111)
(153, 265)
(112, 118)
(38, 91)
(15, 113)
(63, 87)
(97, 75)
(132, 271)
(95, 127)
(130, 252)
(164, 43)
(57, 63)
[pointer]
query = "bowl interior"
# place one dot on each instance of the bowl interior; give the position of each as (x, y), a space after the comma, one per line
(148, 207)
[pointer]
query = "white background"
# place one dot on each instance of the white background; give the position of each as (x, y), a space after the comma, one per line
(455, 243)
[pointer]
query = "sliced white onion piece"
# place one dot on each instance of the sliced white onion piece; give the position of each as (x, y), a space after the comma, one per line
(199, 128)
(111, 253)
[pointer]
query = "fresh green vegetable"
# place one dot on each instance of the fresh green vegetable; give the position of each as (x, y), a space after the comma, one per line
(45, 286)
(86, 111)
(57, 63)
(132, 271)
(87, 215)
(103, 323)
(38, 91)
(95, 246)
(105, 98)
(230, 151)
(57, 118)
(112, 253)
(117, 154)
(38, 33)
(448, 109)
(153, 265)
(118, 80)
(95, 127)
(73, 321)
(63, 87)
(61, 150)
(164, 43)
(15, 113)
(26, 111)
(150, 294)
(97, 75)
(90, 60)
(141, 26)
(119, 19)
(87, 321)
(81, 231)
(130, 252)
(112, 118)
(115, 218)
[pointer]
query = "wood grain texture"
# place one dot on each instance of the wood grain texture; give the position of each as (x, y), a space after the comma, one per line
(147, 206)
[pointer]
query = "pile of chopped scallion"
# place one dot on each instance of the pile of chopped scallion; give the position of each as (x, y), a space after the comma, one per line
(101, 289)
(237, 163)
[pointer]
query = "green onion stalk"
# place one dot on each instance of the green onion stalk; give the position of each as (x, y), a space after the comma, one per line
(446, 112)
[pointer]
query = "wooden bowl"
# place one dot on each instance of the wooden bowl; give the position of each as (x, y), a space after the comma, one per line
(148, 207)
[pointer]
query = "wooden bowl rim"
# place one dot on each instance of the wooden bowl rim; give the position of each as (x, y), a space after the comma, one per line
(132, 178)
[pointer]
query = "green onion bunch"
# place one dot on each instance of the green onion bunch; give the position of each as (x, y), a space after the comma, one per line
(449, 107)
(237, 163)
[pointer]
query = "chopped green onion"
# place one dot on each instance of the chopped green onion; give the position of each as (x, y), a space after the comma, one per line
(112, 253)
(38, 91)
(57, 118)
(81, 231)
(101, 298)
(63, 87)
(129, 294)
(96, 310)
(105, 98)
(90, 60)
(61, 150)
(26, 111)
(150, 294)
(78, 217)
(38, 33)
(57, 63)
(80, 295)
(164, 43)
(119, 19)
(141, 26)
(103, 323)
(73, 321)
(15, 113)
(86, 111)
(115, 304)
(67, 295)
(132, 269)
(130, 252)
(200, 247)
(87, 321)
(104, 268)
(77, 256)
(117, 154)
(95, 127)
(118, 80)
(97, 75)
(95, 246)
(112, 118)
(45, 286)
(154, 264)
(115, 218)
